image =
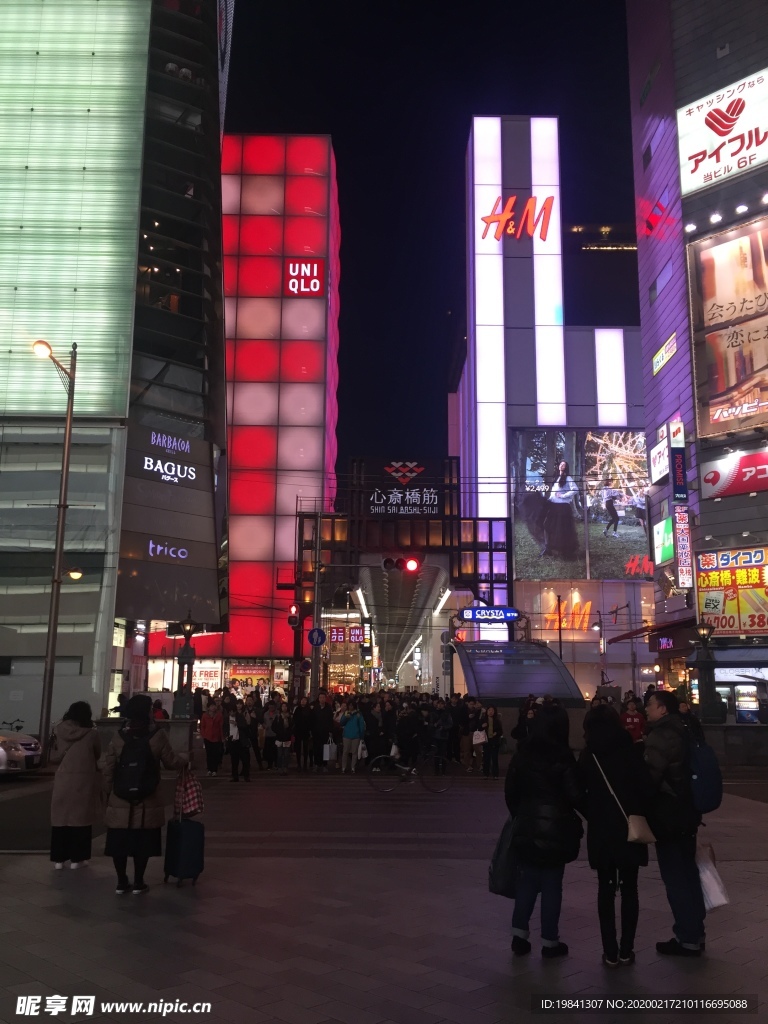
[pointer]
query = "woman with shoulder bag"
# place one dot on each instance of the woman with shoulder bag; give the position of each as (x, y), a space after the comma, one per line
(617, 785)
(76, 800)
(283, 730)
(491, 725)
(542, 792)
(237, 737)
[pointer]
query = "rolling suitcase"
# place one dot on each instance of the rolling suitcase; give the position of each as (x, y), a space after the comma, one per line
(184, 849)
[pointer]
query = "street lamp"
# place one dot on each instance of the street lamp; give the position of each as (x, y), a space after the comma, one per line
(67, 376)
(712, 709)
(182, 704)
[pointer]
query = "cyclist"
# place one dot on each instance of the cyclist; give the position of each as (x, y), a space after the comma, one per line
(407, 736)
(440, 726)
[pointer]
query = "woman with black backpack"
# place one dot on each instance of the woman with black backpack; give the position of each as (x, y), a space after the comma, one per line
(135, 808)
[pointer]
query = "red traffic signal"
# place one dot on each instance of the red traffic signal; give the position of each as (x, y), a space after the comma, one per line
(402, 564)
(293, 616)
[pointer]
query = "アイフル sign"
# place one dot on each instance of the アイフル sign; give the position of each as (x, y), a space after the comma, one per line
(724, 134)
(738, 473)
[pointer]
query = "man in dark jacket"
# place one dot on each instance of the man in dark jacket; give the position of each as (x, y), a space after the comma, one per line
(674, 820)
(322, 728)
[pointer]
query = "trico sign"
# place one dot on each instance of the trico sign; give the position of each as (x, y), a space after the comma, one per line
(529, 220)
(171, 472)
(155, 550)
(304, 278)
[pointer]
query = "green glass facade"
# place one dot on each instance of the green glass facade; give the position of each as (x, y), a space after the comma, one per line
(73, 82)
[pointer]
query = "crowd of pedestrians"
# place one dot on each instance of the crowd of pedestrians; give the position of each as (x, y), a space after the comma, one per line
(340, 731)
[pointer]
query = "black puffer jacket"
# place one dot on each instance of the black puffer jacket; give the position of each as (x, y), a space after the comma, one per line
(542, 791)
(623, 765)
(672, 813)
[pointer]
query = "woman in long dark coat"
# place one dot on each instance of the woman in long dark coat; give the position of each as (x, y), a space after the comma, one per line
(617, 862)
(76, 800)
(542, 792)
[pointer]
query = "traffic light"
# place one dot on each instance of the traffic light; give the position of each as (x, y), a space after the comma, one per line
(402, 564)
(446, 651)
(293, 616)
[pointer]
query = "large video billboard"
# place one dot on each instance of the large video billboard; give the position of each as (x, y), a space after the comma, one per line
(579, 504)
(729, 311)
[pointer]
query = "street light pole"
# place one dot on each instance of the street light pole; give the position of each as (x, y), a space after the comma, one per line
(43, 350)
(317, 610)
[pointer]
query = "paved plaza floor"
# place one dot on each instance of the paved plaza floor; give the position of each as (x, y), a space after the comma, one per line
(324, 902)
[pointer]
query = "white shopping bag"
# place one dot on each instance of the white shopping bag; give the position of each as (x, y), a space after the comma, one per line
(712, 887)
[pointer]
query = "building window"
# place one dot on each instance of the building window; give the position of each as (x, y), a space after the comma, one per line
(654, 144)
(661, 281)
(647, 86)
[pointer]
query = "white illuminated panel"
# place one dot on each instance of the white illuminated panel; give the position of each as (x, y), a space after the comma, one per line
(611, 382)
(254, 404)
(488, 279)
(252, 537)
(548, 276)
(491, 459)
(72, 96)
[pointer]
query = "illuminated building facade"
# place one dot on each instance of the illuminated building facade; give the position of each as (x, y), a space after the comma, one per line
(534, 394)
(699, 101)
(110, 237)
(281, 280)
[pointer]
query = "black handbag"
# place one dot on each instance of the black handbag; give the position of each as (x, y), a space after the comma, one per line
(503, 869)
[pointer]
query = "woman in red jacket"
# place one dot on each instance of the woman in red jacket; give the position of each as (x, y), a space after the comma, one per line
(213, 738)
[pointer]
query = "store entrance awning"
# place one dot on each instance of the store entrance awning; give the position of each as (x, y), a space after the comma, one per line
(647, 631)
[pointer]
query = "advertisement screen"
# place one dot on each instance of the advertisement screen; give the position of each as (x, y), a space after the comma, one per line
(663, 542)
(579, 504)
(729, 311)
(733, 590)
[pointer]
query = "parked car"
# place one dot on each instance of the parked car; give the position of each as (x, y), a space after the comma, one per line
(19, 752)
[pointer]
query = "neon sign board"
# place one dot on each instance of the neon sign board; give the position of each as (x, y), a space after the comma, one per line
(529, 219)
(489, 614)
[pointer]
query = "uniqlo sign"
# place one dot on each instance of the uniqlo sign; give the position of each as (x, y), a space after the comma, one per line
(735, 474)
(723, 134)
(304, 278)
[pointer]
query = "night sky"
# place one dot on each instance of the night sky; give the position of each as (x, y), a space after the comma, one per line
(396, 85)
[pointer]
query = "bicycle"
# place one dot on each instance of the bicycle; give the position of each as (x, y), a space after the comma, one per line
(435, 772)
(13, 725)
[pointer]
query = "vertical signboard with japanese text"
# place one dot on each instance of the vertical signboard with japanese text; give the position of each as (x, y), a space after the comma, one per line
(683, 553)
(732, 590)
(729, 311)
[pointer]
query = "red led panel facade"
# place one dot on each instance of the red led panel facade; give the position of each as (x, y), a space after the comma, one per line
(280, 211)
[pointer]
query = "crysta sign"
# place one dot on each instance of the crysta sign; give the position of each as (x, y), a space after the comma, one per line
(489, 614)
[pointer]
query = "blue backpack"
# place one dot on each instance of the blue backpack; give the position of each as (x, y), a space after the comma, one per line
(706, 777)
